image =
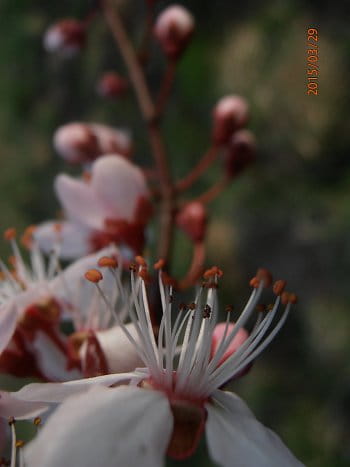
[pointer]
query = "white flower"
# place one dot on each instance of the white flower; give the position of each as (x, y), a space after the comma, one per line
(30, 314)
(80, 142)
(111, 207)
(169, 403)
(33, 302)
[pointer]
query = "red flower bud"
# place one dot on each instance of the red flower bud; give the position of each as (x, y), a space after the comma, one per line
(192, 219)
(230, 114)
(111, 84)
(173, 29)
(241, 152)
(80, 142)
(67, 37)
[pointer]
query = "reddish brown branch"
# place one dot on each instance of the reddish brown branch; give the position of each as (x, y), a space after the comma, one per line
(196, 267)
(127, 51)
(149, 113)
(213, 191)
(166, 86)
(209, 157)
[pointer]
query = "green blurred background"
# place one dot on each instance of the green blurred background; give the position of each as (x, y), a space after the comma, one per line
(290, 212)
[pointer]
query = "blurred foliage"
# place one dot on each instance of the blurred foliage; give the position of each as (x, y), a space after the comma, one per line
(290, 213)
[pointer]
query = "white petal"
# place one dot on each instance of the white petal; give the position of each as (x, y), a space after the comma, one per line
(235, 437)
(50, 359)
(73, 238)
(72, 288)
(118, 184)
(79, 201)
(120, 353)
(10, 406)
(58, 392)
(40, 292)
(8, 320)
(125, 426)
(112, 139)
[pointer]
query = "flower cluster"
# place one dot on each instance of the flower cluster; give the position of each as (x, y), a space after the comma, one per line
(127, 372)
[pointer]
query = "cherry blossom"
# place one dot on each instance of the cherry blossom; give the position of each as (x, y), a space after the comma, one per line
(167, 405)
(82, 143)
(111, 206)
(33, 303)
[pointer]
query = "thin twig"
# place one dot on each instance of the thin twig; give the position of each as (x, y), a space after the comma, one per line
(166, 86)
(209, 157)
(196, 268)
(149, 113)
(213, 191)
(127, 51)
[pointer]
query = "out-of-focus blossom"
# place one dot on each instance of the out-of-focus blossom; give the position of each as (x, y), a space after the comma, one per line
(34, 301)
(192, 219)
(173, 29)
(112, 84)
(241, 150)
(176, 397)
(81, 143)
(35, 346)
(112, 206)
(229, 114)
(67, 37)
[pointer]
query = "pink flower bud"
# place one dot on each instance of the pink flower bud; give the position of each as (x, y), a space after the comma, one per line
(173, 29)
(217, 336)
(80, 142)
(67, 37)
(192, 219)
(241, 152)
(111, 84)
(230, 114)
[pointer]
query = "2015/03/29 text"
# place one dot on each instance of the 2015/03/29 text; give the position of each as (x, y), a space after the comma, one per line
(312, 61)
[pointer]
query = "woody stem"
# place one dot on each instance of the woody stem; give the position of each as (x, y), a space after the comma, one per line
(148, 111)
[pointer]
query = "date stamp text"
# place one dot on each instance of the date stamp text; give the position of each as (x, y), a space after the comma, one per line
(312, 61)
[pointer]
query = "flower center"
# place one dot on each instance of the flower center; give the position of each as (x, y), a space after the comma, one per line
(189, 418)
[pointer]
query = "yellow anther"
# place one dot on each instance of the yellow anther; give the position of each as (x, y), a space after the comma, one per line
(140, 261)
(278, 287)
(10, 234)
(265, 276)
(93, 275)
(37, 421)
(107, 262)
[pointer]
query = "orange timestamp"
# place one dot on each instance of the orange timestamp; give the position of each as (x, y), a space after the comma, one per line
(312, 61)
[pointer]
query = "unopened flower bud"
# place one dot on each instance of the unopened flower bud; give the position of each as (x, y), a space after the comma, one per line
(192, 219)
(230, 114)
(80, 142)
(111, 84)
(173, 29)
(67, 37)
(240, 153)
